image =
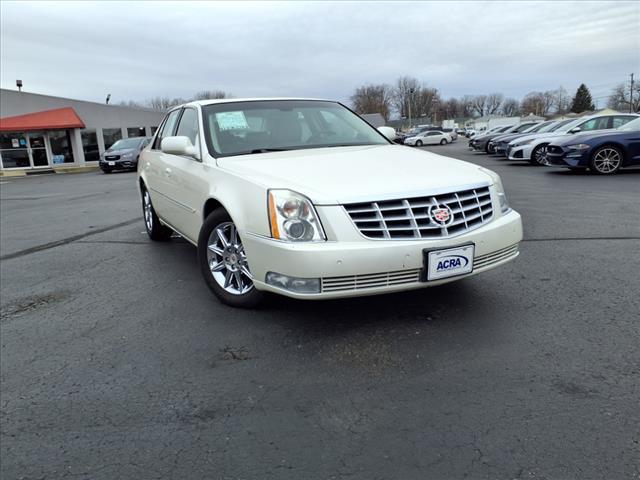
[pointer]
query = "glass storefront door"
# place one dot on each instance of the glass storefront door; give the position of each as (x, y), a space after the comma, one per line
(38, 150)
(23, 150)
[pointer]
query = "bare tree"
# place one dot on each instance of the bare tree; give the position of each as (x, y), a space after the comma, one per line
(538, 103)
(620, 97)
(466, 106)
(211, 95)
(510, 107)
(373, 99)
(163, 103)
(404, 94)
(494, 101)
(562, 100)
(479, 105)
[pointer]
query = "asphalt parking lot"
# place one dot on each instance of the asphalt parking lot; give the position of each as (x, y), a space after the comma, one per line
(117, 362)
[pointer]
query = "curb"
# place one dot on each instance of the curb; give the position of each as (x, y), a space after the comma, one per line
(82, 169)
(12, 173)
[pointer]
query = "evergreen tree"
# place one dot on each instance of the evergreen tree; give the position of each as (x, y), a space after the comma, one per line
(582, 101)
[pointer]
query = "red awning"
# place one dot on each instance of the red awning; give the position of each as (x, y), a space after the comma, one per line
(59, 118)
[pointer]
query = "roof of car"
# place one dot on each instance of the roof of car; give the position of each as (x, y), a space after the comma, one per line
(257, 99)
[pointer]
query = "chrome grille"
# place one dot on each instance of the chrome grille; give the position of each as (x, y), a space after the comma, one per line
(404, 277)
(494, 257)
(409, 218)
(361, 282)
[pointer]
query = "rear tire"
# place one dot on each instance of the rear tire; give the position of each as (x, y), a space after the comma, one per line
(155, 229)
(539, 155)
(223, 262)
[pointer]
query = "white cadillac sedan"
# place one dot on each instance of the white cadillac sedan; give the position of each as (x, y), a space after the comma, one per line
(430, 137)
(305, 199)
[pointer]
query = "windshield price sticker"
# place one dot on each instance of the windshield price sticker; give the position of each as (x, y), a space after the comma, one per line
(231, 121)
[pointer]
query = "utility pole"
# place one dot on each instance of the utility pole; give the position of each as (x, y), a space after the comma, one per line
(631, 96)
(409, 104)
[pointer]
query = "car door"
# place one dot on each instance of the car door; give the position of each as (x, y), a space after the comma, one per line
(187, 178)
(153, 166)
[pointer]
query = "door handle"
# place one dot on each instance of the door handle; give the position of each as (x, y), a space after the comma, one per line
(167, 172)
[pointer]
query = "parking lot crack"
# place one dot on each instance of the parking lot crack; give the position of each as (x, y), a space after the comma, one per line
(65, 241)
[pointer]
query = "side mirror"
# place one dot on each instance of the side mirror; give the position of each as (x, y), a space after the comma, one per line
(575, 130)
(179, 146)
(388, 132)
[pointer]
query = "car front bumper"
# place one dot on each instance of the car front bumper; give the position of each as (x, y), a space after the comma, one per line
(519, 153)
(370, 267)
(568, 159)
(117, 164)
(477, 145)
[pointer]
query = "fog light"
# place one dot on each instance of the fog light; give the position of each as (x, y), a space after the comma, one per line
(293, 284)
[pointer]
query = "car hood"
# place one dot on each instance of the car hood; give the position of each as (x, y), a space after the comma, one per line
(508, 137)
(535, 136)
(339, 175)
(121, 151)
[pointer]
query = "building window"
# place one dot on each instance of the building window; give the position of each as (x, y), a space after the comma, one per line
(135, 132)
(13, 149)
(111, 136)
(154, 130)
(61, 146)
(90, 145)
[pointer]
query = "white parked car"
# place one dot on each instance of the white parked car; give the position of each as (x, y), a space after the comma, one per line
(430, 137)
(533, 148)
(305, 199)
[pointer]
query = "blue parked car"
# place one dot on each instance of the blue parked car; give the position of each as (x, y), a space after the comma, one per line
(604, 152)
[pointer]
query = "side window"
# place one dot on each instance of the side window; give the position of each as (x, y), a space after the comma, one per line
(167, 128)
(620, 120)
(188, 126)
(595, 124)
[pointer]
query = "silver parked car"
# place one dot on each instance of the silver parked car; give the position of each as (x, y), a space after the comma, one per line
(123, 155)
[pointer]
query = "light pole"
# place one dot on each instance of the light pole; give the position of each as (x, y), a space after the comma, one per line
(409, 105)
(435, 111)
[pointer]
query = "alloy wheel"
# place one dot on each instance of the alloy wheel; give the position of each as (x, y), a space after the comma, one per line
(541, 155)
(607, 160)
(148, 211)
(228, 261)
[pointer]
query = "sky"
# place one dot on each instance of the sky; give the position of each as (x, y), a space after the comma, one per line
(140, 50)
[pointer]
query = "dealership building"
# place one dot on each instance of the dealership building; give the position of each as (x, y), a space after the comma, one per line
(40, 132)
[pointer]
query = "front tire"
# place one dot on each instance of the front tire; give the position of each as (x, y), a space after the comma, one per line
(539, 155)
(443, 142)
(606, 160)
(155, 229)
(223, 262)
(419, 143)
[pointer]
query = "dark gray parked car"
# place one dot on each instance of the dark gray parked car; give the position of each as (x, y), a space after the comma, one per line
(481, 142)
(123, 155)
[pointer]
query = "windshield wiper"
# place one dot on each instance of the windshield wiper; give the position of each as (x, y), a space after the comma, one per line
(266, 150)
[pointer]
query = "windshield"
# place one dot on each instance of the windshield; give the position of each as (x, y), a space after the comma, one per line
(541, 127)
(632, 126)
(127, 143)
(238, 128)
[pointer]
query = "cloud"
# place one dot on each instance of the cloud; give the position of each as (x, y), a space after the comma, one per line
(320, 49)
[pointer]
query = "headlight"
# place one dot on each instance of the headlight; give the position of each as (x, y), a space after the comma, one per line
(522, 144)
(127, 156)
(497, 184)
(293, 218)
(580, 147)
